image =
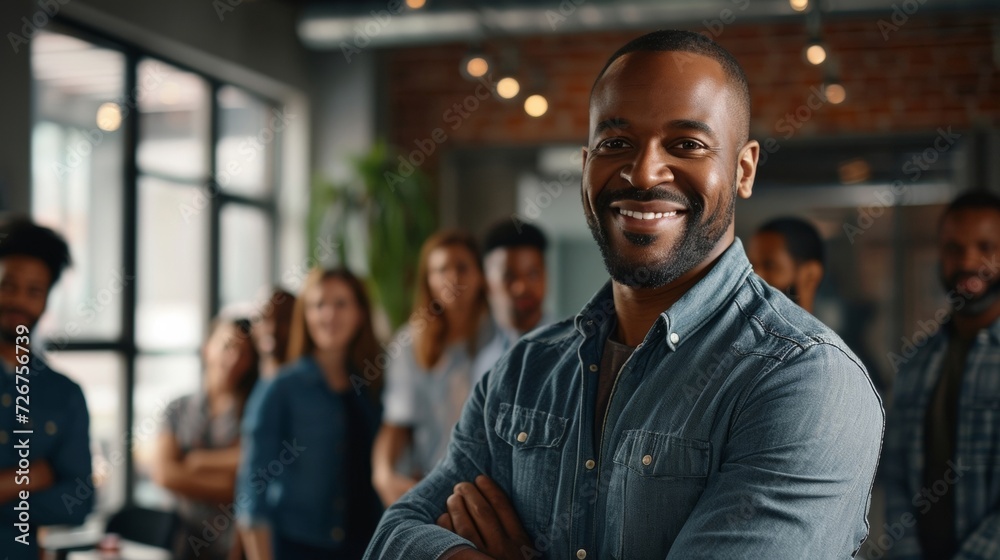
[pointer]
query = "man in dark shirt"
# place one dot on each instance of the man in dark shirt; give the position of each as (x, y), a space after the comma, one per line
(941, 457)
(44, 474)
(788, 254)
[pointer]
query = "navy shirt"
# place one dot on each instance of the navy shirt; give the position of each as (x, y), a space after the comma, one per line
(59, 421)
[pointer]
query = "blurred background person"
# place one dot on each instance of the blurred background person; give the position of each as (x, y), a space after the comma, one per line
(197, 452)
(941, 457)
(304, 490)
(514, 265)
(516, 281)
(788, 254)
(270, 337)
(32, 258)
(433, 364)
(270, 334)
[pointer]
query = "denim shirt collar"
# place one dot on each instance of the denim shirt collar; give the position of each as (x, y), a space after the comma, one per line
(691, 311)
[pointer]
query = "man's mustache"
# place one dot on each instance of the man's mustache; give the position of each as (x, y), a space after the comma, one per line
(607, 197)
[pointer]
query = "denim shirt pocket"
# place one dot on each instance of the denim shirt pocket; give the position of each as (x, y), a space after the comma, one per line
(656, 481)
(536, 440)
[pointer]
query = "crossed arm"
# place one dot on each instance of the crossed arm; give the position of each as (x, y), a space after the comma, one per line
(207, 474)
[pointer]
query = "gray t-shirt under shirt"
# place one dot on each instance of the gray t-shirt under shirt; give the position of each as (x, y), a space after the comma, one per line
(612, 360)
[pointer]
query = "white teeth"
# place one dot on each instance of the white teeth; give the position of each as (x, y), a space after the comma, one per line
(646, 215)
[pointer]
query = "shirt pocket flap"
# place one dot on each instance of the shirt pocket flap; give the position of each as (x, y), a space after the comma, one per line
(653, 454)
(525, 428)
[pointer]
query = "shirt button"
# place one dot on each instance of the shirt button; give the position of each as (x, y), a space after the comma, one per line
(590, 464)
(647, 459)
(3, 438)
(593, 367)
(50, 428)
(581, 554)
(5, 400)
(337, 534)
(522, 437)
(674, 337)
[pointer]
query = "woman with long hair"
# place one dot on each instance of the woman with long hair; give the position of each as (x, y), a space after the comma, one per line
(304, 489)
(434, 362)
(197, 452)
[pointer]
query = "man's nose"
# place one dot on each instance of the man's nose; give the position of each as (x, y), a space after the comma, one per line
(650, 167)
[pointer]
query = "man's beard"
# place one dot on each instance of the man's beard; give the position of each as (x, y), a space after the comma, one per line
(697, 241)
(8, 336)
(975, 305)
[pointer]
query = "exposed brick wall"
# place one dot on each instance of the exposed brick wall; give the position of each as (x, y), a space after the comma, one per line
(933, 71)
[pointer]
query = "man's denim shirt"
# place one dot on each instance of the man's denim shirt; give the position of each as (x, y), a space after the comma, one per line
(741, 427)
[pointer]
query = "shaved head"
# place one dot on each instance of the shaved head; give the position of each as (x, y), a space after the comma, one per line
(685, 44)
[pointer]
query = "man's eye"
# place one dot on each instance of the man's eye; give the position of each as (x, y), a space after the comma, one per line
(690, 145)
(614, 144)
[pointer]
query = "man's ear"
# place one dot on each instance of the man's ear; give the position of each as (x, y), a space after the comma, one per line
(746, 169)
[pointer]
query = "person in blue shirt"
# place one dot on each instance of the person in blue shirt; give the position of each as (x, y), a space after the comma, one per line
(304, 489)
(690, 410)
(56, 486)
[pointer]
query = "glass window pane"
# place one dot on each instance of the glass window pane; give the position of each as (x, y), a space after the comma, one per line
(248, 132)
(173, 265)
(246, 253)
(101, 376)
(158, 381)
(174, 121)
(77, 148)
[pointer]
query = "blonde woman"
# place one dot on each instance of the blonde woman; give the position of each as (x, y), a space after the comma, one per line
(304, 490)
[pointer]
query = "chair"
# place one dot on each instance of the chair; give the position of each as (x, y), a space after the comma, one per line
(143, 525)
(132, 523)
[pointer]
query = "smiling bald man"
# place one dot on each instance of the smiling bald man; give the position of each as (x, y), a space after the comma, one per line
(689, 410)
